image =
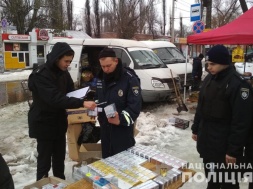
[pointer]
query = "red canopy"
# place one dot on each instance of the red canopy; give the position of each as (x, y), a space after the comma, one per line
(239, 31)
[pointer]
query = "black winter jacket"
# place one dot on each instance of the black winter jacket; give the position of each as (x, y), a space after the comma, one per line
(197, 68)
(47, 118)
(123, 89)
(249, 145)
(223, 115)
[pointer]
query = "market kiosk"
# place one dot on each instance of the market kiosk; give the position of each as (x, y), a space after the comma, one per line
(22, 51)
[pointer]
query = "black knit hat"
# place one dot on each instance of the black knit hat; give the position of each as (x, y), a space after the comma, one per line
(201, 55)
(218, 54)
(106, 52)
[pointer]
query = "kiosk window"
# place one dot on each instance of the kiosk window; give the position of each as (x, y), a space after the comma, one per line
(24, 47)
(21, 57)
(40, 50)
(8, 46)
(16, 46)
(14, 54)
(27, 63)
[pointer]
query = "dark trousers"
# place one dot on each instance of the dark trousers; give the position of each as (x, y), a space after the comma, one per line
(249, 163)
(6, 181)
(51, 150)
(222, 176)
(196, 84)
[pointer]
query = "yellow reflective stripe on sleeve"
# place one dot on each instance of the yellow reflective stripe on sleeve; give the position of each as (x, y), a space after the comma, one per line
(128, 118)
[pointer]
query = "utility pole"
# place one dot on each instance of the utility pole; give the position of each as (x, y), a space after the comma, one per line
(181, 26)
(172, 22)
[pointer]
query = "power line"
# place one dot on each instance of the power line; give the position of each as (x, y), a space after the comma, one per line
(183, 10)
(185, 2)
(182, 3)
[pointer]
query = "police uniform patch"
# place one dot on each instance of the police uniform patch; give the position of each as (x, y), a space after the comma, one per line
(244, 93)
(135, 90)
(120, 93)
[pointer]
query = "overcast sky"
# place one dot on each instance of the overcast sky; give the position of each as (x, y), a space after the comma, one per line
(182, 7)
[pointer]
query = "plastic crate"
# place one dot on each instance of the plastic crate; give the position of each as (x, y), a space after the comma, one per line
(178, 122)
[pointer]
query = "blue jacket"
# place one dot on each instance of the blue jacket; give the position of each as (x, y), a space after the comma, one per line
(124, 90)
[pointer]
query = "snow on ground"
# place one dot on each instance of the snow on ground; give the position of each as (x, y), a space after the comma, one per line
(20, 153)
(155, 130)
(14, 75)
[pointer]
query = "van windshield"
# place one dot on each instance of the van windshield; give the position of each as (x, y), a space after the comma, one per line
(170, 55)
(146, 58)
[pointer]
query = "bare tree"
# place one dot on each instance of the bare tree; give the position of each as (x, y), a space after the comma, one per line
(97, 19)
(87, 18)
(243, 5)
(164, 17)
(151, 21)
(126, 15)
(69, 5)
(208, 4)
(17, 12)
(142, 20)
(77, 23)
(224, 12)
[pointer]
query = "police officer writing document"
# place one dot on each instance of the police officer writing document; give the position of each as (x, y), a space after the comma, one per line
(222, 120)
(121, 87)
(47, 118)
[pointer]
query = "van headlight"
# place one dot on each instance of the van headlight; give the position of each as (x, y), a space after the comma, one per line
(157, 83)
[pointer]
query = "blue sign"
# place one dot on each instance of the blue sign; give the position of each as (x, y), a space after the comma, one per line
(198, 27)
(4, 23)
(195, 12)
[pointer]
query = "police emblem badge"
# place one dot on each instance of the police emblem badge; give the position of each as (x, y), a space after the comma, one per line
(120, 93)
(135, 90)
(244, 93)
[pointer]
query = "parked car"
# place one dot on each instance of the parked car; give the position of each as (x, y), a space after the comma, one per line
(156, 81)
(173, 58)
(249, 56)
(242, 67)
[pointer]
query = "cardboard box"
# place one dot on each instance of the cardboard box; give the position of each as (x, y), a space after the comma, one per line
(90, 150)
(78, 115)
(86, 150)
(81, 184)
(73, 133)
(50, 180)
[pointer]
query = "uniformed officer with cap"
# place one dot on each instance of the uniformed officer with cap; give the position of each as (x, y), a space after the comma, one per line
(222, 120)
(120, 86)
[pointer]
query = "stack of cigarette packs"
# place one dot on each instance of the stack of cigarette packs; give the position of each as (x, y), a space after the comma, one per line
(124, 170)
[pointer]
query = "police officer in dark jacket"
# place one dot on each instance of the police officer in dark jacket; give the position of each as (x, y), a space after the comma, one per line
(120, 86)
(6, 181)
(197, 71)
(222, 119)
(249, 156)
(47, 116)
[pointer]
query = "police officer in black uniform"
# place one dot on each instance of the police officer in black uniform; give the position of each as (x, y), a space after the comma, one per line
(47, 118)
(249, 156)
(197, 72)
(222, 120)
(6, 181)
(120, 86)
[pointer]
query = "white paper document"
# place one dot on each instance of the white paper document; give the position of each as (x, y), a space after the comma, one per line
(80, 93)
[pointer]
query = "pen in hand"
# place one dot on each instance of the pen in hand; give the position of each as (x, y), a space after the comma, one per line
(98, 104)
